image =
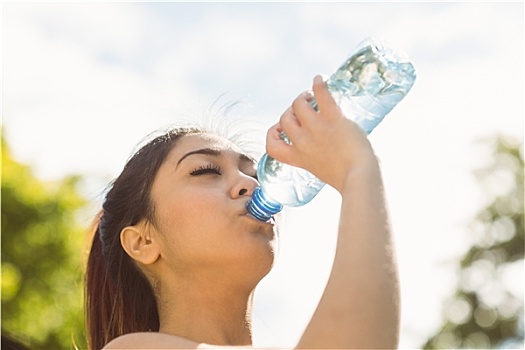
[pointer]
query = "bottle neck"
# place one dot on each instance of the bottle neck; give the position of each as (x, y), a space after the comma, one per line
(261, 207)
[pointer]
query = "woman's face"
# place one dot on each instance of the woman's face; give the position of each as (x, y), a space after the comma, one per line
(199, 196)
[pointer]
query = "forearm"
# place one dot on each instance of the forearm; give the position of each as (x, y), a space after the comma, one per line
(360, 305)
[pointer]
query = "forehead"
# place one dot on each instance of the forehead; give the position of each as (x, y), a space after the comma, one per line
(194, 142)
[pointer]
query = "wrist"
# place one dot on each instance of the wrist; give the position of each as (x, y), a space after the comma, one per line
(365, 173)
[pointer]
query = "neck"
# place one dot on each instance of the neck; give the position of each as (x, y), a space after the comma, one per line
(212, 314)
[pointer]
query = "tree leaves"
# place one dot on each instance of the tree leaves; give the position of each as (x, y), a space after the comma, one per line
(42, 288)
(486, 310)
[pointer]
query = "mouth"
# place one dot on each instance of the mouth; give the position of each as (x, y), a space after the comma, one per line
(270, 221)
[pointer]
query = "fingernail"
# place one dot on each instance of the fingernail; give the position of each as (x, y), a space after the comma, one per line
(320, 78)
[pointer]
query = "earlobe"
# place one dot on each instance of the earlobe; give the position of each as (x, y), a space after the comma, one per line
(138, 244)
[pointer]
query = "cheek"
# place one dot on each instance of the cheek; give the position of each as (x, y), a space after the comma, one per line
(190, 222)
(185, 205)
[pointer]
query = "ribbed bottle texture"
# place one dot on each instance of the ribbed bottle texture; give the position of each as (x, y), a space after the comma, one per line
(366, 87)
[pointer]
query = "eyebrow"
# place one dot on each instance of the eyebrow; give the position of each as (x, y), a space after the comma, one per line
(216, 153)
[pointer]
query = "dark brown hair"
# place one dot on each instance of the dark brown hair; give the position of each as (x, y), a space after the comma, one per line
(119, 299)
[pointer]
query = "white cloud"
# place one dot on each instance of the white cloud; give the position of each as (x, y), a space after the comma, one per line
(58, 92)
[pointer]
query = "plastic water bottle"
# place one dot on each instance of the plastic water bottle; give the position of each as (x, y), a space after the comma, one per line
(366, 87)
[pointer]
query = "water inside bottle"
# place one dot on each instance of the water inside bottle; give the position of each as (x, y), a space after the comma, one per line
(370, 83)
(287, 185)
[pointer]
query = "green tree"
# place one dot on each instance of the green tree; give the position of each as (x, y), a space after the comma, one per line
(42, 287)
(486, 311)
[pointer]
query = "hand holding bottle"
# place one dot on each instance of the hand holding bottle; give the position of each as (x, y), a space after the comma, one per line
(323, 141)
(364, 89)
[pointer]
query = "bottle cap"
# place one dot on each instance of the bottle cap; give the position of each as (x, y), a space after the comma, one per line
(261, 207)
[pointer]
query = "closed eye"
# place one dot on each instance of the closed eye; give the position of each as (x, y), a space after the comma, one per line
(206, 169)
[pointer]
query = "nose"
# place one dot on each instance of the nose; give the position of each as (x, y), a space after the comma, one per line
(244, 185)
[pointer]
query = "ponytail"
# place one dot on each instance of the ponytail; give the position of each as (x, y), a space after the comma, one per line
(116, 305)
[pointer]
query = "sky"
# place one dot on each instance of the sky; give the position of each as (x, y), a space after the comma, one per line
(84, 83)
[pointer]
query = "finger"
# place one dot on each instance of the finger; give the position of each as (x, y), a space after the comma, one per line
(324, 99)
(276, 147)
(274, 133)
(290, 124)
(302, 108)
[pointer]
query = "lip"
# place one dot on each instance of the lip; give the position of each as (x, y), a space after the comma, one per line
(267, 228)
(271, 221)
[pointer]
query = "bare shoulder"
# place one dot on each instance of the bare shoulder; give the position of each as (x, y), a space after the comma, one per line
(154, 340)
(150, 340)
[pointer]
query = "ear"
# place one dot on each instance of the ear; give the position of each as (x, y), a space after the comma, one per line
(138, 243)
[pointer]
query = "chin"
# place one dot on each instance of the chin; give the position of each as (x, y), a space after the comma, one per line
(266, 263)
(260, 263)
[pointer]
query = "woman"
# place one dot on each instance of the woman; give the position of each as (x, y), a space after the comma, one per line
(176, 258)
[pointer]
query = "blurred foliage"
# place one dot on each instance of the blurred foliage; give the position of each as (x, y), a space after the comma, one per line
(486, 310)
(42, 287)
